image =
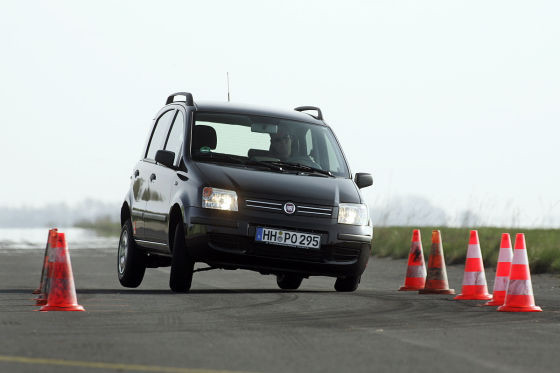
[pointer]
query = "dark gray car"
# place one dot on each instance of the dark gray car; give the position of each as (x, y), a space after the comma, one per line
(240, 187)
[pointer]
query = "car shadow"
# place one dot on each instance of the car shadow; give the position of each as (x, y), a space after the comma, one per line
(17, 291)
(198, 291)
(166, 291)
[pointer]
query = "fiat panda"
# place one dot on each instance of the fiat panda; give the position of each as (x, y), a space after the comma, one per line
(243, 187)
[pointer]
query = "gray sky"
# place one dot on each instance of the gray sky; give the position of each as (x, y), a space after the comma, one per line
(456, 102)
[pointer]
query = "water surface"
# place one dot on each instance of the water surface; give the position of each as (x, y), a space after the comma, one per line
(36, 238)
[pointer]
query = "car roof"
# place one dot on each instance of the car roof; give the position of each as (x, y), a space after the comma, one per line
(236, 108)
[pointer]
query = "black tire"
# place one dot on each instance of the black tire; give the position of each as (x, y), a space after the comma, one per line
(131, 261)
(347, 284)
(182, 264)
(288, 281)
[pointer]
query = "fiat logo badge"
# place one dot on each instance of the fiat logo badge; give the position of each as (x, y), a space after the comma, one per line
(289, 208)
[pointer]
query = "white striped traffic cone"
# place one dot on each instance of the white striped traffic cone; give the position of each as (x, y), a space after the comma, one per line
(474, 279)
(519, 295)
(502, 272)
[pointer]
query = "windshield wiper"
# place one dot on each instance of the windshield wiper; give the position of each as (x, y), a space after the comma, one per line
(272, 166)
(229, 158)
(220, 157)
(302, 167)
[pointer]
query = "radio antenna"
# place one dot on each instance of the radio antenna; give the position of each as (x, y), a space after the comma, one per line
(227, 77)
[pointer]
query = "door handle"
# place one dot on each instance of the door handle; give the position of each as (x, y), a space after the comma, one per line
(136, 173)
(152, 177)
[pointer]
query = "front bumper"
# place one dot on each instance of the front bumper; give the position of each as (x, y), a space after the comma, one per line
(227, 240)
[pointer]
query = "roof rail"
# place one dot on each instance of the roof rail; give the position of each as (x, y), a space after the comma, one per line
(188, 98)
(319, 115)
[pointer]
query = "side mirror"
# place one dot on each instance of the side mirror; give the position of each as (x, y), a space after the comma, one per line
(363, 180)
(165, 157)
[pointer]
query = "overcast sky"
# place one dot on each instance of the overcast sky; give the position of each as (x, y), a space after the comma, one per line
(456, 102)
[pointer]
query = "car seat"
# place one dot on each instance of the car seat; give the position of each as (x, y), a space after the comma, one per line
(204, 136)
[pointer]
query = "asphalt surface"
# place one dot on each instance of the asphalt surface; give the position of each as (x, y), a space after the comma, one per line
(240, 321)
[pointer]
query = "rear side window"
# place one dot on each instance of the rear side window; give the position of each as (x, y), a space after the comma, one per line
(175, 139)
(159, 134)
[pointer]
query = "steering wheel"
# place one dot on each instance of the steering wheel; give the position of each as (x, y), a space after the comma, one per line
(304, 160)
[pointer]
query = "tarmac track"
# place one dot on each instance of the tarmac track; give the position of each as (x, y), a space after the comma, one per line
(236, 321)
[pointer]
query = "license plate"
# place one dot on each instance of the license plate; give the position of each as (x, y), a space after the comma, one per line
(288, 238)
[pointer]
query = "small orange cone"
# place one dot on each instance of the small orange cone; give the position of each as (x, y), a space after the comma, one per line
(519, 295)
(62, 292)
(416, 271)
(436, 281)
(502, 272)
(474, 279)
(41, 300)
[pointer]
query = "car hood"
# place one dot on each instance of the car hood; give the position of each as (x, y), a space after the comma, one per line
(249, 182)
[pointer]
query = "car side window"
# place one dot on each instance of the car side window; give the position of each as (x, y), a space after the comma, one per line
(159, 134)
(175, 138)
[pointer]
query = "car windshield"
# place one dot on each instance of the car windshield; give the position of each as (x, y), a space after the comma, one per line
(258, 140)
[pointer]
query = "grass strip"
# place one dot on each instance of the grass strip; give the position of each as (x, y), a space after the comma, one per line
(543, 245)
(103, 226)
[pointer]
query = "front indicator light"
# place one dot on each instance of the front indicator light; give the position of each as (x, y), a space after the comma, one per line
(219, 199)
(352, 213)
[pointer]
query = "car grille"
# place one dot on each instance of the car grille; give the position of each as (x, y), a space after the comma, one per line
(304, 209)
(255, 204)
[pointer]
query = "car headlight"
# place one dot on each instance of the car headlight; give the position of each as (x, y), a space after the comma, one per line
(352, 213)
(220, 199)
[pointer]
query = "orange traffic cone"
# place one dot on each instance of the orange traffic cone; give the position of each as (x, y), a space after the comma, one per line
(416, 272)
(474, 279)
(519, 294)
(436, 281)
(45, 263)
(43, 289)
(62, 293)
(502, 272)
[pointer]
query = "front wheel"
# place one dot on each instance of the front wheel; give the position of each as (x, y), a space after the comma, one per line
(131, 262)
(182, 265)
(347, 284)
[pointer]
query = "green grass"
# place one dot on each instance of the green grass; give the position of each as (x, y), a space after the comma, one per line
(104, 226)
(543, 245)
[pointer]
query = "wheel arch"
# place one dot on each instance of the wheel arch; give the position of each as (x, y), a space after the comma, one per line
(175, 216)
(125, 213)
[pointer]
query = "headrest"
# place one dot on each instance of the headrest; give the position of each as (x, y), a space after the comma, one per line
(204, 136)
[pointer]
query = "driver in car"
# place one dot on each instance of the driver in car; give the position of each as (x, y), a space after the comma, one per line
(281, 144)
(281, 148)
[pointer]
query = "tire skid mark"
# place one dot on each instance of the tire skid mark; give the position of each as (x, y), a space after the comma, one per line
(422, 313)
(280, 298)
(331, 318)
